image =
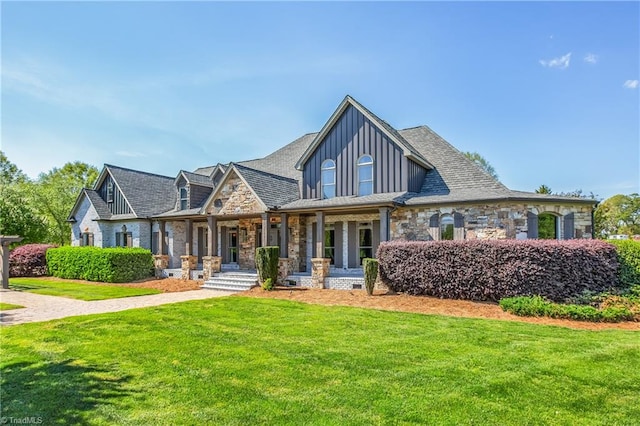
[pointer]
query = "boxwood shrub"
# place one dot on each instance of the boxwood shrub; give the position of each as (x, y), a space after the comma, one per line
(112, 265)
(629, 259)
(29, 260)
(492, 270)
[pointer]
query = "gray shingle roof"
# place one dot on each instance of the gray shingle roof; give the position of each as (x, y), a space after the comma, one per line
(147, 193)
(98, 203)
(272, 189)
(180, 213)
(282, 162)
(373, 199)
(197, 179)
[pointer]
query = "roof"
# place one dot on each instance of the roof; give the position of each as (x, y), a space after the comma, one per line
(146, 193)
(409, 151)
(273, 190)
(348, 201)
(283, 161)
(96, 201)
(196, 179)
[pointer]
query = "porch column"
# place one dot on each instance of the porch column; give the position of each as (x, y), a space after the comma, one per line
(319, 234)
(284, 235)
(265, 229)
(162, 243)
(161, 259)
(212, 236)
(384, 224)
(189, 237)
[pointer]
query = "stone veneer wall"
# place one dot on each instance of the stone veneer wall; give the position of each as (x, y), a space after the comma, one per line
(484, 221)
(236, 198)
(247, 234)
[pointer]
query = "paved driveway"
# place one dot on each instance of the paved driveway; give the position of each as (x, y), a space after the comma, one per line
(44, 308)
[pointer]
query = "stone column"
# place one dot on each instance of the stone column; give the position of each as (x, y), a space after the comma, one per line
(211, 265)
(160, 263)
(189, 263)
(285, 267)
(319, 235)
(284, 236)
(319, 271)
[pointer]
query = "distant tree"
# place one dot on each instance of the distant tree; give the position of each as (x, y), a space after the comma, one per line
(54, 194)
(10, 173)
(482, 163)
(619, 214)
(543, 189)
(17, 217)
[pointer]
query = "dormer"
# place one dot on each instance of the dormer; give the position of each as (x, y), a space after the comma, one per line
(192, 190)
(358, 154)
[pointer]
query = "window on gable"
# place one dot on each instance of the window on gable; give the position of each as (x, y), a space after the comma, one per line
(110, 192)
(328, 177)
(365, 175)
(184, 200)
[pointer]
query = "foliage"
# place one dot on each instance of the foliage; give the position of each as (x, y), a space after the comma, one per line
(629, 258)
(543, 189)
(492, 270)
(77, 290)
(9, 306)
(578, 193)
(619, 214)
(370, 267)
(322, 365)
(267, 263)
(536, 306)
(547, 226)
(268, 284)
(29, 260)
(482, 162)
(112, 265)
(17, 217)
(9, 172)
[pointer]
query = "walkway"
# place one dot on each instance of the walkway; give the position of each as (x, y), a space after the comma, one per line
(44, 308)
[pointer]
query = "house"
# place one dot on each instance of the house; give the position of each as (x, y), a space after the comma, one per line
(327, 199)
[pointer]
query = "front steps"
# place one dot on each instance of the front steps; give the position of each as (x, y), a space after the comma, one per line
(232, 281)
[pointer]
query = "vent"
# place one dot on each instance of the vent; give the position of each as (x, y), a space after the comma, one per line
(357, 286)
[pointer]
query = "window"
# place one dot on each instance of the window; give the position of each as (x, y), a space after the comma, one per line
(446, 227)
(183, 198)
(365, 241)
(86, 239)
(328, 176)
(365, 175)
(123, 239)
(110, 192)
(330, 243)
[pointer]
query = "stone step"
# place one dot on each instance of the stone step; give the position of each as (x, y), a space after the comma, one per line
(232, 281)
(226, 285)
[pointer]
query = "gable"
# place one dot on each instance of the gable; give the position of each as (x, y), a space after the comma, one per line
(353, 135)
(234, 197)
(112, 195)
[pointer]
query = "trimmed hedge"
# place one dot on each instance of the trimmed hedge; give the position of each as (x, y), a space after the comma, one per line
(537, 306)
(110, 265)
(492, 270)
(267, 263)
(629, 259)
(29, 260)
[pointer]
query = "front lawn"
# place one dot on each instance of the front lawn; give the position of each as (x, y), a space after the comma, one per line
(75, 290)
(9, 306)
(237, 360)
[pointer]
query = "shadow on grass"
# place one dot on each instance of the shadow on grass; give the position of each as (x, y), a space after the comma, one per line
(58, 392)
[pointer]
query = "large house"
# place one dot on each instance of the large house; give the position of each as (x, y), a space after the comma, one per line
(327, 199)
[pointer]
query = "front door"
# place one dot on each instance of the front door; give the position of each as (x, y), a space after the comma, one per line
(233, 245)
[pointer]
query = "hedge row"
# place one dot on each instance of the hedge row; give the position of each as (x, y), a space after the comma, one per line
(111, 265)
(492, 270)
(629, 259)
(536, 306)
(29, 260)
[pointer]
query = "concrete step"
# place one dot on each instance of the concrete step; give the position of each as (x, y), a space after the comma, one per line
(232, 281)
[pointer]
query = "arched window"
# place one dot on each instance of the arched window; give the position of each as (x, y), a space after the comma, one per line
(183, 198)
(328, 178)
(365, 175)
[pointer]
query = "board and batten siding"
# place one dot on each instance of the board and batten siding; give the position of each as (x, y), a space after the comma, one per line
(119, 205)
(352, 136)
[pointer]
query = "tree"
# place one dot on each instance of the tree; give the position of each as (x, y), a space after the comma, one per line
(543, 189)
(54, 194)
(10, 173)
(482, 163)
(17, 217)
(619, 214)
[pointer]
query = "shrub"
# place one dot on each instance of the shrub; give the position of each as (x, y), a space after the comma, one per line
(370, 267)
(29, 260)
(629, 259)
(112, 265)
(268, 284)
(493, 270)
(537, 306)
(267, 262)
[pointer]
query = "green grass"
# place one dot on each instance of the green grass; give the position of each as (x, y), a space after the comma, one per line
(9, 306)
(245, 361)
(76, 290)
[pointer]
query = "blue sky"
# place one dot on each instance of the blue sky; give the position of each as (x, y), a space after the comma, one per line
(547, 91)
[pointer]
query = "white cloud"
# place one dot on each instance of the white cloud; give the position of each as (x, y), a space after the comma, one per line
(561, 62)
(631, 84)
(591, 58)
